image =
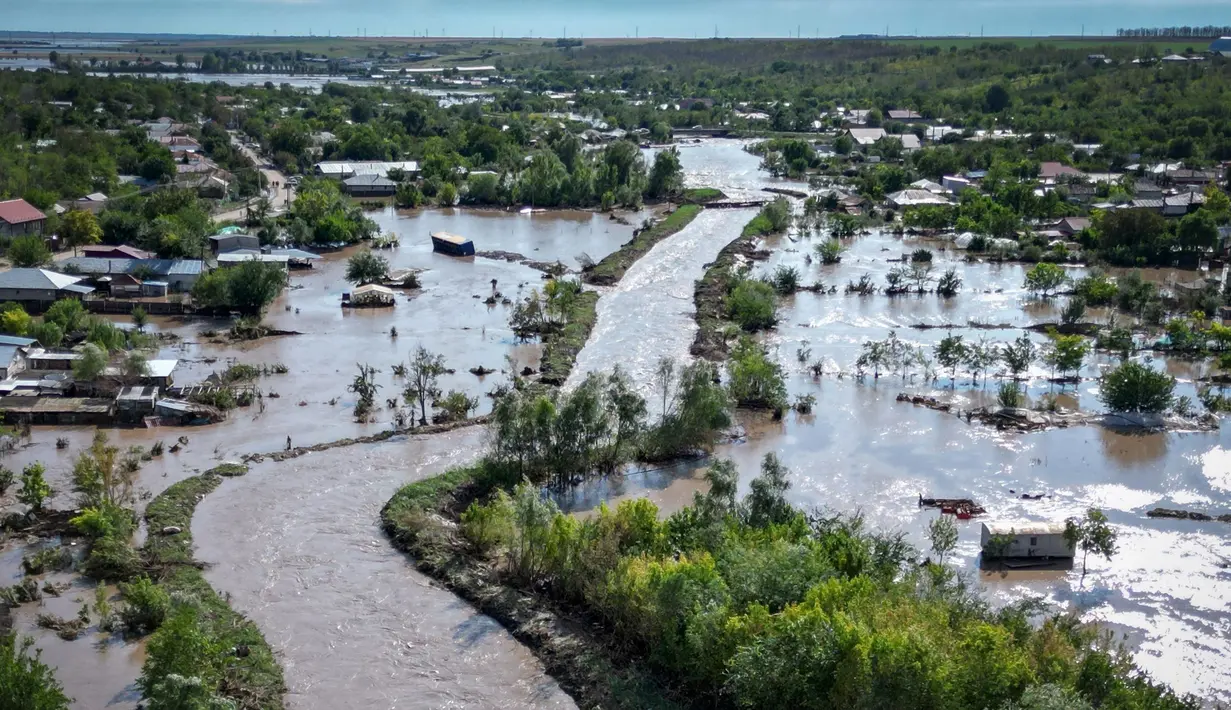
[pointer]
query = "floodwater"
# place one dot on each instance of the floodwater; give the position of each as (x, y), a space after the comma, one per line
(297, 546)
(312, 405)
(861, 450)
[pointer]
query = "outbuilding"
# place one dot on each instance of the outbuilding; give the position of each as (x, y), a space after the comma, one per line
(369, 186)
(18, 217)
(1029, 540)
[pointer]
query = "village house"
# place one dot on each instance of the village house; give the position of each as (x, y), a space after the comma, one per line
(929, 186)
(955, 183)
(1181, 204)
(179, 274)
(910, 198)
(1081, 193)
(369, 186)
(180, 143)
(112, 251)
(1051, 172)
(866, 136)
(343, 169)
(910, 142)
(1029, 540)
(14, 351)
(226, 241)
(39, 288)
(1184, 177)
(93, 203)
(18, 217)
(1147, 190)
(905, 116)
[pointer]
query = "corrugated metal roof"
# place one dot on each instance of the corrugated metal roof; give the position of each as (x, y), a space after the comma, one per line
(36, 279)
(369, 180)
(1025, 528)
(19, 212)
(7, 354)
(16, 340)
(234, 257)
(161, 368)
(161, 267)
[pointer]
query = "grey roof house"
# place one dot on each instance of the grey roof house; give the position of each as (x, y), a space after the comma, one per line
(13, 351)
(35, 286)
(179, 274)
(369, 186)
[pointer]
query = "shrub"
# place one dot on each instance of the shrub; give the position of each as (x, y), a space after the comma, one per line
(830, 251)
(1073, 311)
(454, 407)
(1044, 279)
(48, 559)
(1133, 387)
(6, 479)
(752, 305)
(25, 681)
(105, 520)
(34, 487)
(785, 280)
(1009, 395)
(921, 255)
(111, 559)
(755, 380)
(1097, 289)
(145, 606)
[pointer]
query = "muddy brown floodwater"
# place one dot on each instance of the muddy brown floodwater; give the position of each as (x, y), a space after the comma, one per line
(297, 544)
(1168, 587)
(299, 548)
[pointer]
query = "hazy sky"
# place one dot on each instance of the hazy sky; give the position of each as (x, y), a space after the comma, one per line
(608, 18)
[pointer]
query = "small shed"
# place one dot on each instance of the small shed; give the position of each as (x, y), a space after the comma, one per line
(133, 403)
(230, 241)
(369, 296)
(452, 244)
(369, 186)
(159, 372)
(1030, 540)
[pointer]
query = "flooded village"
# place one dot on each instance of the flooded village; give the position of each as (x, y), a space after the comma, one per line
(295, 544)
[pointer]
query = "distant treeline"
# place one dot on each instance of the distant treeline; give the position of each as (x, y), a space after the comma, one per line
(1207, 31)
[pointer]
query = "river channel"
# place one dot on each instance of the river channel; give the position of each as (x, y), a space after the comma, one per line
(296, 544)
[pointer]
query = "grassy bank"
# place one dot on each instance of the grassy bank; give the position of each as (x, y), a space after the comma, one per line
(421, 520)
(711, 291)
(249, 672)
(702, 195)
(560, 348)
(611, 269)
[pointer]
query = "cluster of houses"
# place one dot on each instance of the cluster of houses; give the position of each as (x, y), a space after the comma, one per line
(37, 386)
(193, 169)
(367, 178)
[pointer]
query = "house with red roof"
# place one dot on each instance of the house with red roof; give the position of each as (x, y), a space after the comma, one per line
(18, 217)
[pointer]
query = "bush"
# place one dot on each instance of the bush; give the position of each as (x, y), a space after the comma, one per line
(785, 280)
(1133, 387)
(921, 255)
(1097, 289)
(34, 487)
(6, 479)
(112, 560)
(1009, 395)
(1044, 279)
(26, 683)
(48, 559)
(367, 267)
(755, 380)
(145, 606)
(105, 520)
(1073, 311)
(830, 251)
(752, 305)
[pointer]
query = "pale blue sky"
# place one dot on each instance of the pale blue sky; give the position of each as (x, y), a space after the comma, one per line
(605, 18)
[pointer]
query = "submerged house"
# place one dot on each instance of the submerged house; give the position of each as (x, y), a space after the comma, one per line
(1029, 540)
(452, 244)
(369, 296)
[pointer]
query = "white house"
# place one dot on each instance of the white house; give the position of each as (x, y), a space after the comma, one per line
(1043, 540)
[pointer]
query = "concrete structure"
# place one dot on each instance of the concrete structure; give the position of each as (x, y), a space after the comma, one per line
(369, 186)
(1031, 540)
(179, 274)
(18, 217)
(34, 286)
(223, 243)
(341, 170)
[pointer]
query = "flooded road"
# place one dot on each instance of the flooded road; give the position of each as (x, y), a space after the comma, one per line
(298, 547)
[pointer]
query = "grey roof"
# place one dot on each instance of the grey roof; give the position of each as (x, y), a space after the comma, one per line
(16, 340)
(161, 267)
(36, 279)
(231, 235)
(1147, 204)
(288, 253)
(369, 180)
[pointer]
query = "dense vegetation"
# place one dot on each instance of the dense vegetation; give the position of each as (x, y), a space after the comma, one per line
(756, 604)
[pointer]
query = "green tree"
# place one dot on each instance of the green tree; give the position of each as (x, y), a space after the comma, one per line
(80, 228)
(1018, 355)
(90, 365)
(26, 683)
(666, 175)
(1133, 387)
(942, 533)
(1198, 231)
(766, 503)
(951, 352)
(367, 267)
(1091, 533)
(68, 313)
(996, 99)
(753, 305)
(14, 320)
(1066, 353)
(754, 379)
(423, 379)
(408, 196)
(34, 490)
(1044, 279)
(447, 197)
(28, 251)
(140, 318)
